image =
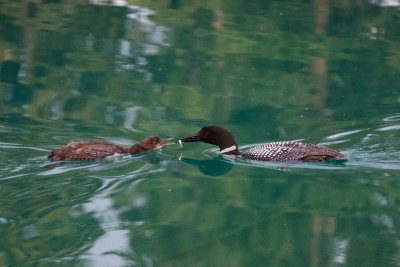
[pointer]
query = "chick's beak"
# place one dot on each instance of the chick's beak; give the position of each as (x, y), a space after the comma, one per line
(165, 142)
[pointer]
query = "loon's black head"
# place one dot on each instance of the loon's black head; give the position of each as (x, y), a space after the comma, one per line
(215, 135)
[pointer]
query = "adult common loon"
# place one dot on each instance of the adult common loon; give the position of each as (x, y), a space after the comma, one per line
(91, 150)
(275, 151)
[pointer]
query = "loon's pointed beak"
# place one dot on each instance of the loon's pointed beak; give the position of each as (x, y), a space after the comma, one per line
(192, 138)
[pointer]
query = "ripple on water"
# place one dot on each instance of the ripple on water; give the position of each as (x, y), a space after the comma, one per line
(379, 148)
(392, 118)
(343, 134)
(389, 128)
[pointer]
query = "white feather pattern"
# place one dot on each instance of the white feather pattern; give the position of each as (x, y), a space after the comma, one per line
(229, 149)
(283, 151)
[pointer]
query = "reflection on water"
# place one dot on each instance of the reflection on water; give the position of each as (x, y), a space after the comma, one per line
(322, 71)
(212, 167)
(386, 3)
(106, 249)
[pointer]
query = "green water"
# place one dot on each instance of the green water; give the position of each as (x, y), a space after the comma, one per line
(327, 72)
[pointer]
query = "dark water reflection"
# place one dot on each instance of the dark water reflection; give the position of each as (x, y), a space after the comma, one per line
(321, 71)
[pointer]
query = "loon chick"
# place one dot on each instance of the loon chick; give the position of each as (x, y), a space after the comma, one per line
(275, 151)
(91, 150)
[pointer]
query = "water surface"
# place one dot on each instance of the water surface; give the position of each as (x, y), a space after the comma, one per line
(321, 71)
